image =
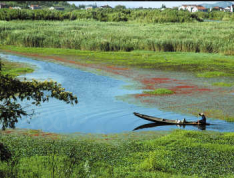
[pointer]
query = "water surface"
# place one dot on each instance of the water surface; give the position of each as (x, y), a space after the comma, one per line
(98, 110)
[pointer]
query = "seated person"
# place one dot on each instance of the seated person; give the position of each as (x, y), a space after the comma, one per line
(203, 120)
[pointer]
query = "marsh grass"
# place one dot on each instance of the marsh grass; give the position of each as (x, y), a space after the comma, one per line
(14, 69)
(205, 37)
(214, 74)
(177, 154)
(159, 91)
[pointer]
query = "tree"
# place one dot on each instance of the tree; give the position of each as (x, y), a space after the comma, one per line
(164, 6)
(12, 90)
(120, 7)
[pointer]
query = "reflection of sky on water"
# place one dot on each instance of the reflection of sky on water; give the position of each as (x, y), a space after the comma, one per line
(97, 111)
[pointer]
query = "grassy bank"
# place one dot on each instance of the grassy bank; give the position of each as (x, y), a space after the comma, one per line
(202, 64)
(177, 154)
(208, 37)
(14, 69)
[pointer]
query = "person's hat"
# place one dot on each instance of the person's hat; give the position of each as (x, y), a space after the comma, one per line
(201, 114)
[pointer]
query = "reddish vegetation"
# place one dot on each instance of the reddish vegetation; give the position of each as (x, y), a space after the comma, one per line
(142, 95)
(116, 68)
(185, 86)
(180, 87)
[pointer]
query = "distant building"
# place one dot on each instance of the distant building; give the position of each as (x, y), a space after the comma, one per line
(227, 9)
(106, 7)
(193, 8)
(3, 5)
(33, 7)
(231, 8)
(89, 7)
(216, 8)
(199, 8)
(57, 8)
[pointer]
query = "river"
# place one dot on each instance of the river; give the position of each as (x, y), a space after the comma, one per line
(98, 110)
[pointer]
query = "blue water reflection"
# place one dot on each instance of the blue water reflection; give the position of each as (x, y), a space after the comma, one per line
(98, 111)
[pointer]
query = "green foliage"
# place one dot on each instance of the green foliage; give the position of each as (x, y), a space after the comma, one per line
(12, 90)
(206, 37)
(178, 154)
(5, 154)
(213, 74)
(99, 14)
(159, 91)
(222, 84)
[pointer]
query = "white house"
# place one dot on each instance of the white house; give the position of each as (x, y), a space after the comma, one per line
(186, 7)
(199, 8)
(193, 8)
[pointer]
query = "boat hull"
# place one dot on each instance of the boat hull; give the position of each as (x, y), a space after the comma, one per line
(166, 121)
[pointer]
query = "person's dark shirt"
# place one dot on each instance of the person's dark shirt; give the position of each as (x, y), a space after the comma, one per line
(203, 120)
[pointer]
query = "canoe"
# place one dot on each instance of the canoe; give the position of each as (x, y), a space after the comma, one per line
(166, 121)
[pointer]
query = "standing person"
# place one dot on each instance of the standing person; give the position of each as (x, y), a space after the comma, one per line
(203, 120)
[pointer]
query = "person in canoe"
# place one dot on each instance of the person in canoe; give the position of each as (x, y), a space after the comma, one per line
(203, 120)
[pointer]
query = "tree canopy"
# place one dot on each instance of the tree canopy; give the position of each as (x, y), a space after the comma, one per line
(13, 90)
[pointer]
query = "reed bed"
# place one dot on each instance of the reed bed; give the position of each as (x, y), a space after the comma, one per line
(208, 37)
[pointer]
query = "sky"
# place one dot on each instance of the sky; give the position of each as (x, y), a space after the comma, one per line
(136, 4)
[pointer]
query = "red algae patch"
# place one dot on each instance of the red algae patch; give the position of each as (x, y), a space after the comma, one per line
(116, 68)
(155, 80)
(185, 86)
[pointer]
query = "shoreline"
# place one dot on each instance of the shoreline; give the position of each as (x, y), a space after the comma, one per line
(127, 72)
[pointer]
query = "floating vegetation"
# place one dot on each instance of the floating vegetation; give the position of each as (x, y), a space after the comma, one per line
(222, 84)
(159, 91)
(213, 74)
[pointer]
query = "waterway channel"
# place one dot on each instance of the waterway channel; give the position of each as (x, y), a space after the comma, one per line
(98, 110)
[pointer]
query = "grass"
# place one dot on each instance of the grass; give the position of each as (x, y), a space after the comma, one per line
(214, 74)
(223, 84)
(175, 154)
(15, 69)
(205, 37)
(159, 91)
(203, 63)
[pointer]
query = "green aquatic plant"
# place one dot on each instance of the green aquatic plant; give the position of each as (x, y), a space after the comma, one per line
(213, 74)
(159, 91)
(223, 84)
(14, 69)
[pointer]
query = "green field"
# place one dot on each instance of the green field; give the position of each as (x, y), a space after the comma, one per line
(148, 154)
(207, 37)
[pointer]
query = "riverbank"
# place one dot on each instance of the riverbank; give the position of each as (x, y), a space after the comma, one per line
(14, 69)
(194, 78)
(202, 64)
(146, 154)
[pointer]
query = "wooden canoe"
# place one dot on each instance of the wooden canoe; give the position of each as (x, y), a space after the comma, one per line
(166, 121)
